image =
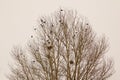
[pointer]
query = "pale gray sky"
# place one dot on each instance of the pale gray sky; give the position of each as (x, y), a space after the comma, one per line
(17, 18)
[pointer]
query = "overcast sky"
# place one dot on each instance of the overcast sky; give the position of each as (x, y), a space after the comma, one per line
(17, 18)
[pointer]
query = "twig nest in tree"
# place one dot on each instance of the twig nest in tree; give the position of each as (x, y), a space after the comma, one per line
(52, 25)
(71, 62)
(33, 61)
(48, 42)
(35, 29)
(41, 20)
(49, 47)
(44, 22)
(61, 10)
(87, 24)
(60, 21)
(31, 36)
(73, 36)
(51, 31)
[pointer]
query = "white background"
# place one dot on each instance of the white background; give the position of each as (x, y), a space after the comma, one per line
(17, 18)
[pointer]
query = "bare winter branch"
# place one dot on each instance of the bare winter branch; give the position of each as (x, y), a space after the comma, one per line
(65, 48)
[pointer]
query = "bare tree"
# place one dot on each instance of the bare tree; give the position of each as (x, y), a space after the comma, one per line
(64, 48)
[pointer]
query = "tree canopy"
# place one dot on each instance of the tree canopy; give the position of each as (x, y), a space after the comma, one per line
(64, 47)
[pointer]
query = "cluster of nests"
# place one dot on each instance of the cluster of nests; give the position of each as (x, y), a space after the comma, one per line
(49, 45)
